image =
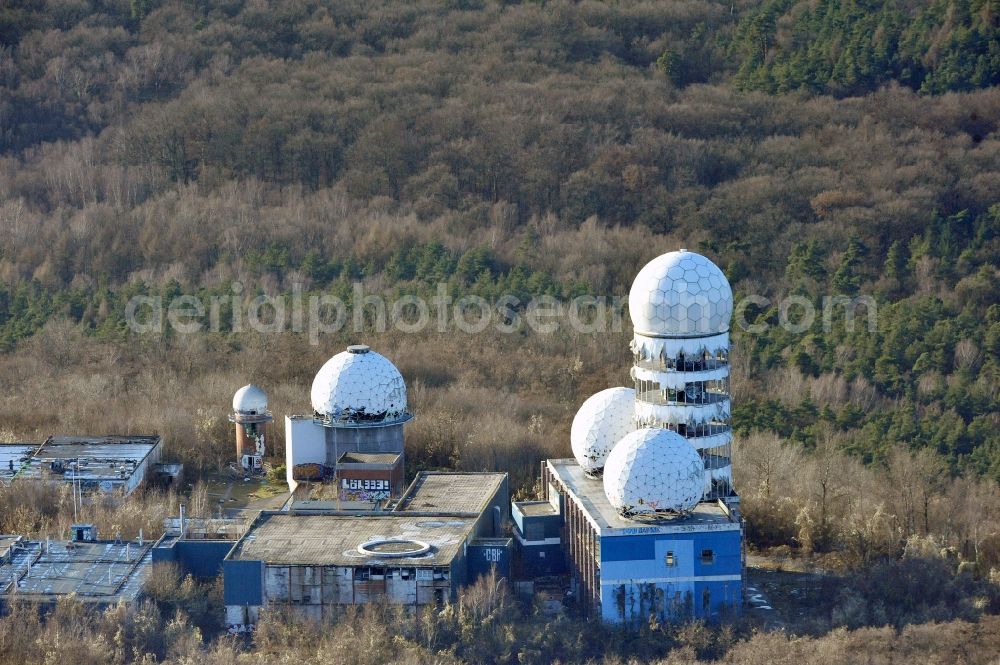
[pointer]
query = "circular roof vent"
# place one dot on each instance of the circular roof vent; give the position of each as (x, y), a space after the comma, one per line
(394, 548)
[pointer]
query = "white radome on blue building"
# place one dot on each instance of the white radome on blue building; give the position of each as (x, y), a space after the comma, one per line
(653, 470)
(600, 423)
(646, 517)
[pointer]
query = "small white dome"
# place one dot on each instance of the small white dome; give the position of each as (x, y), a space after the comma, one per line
(652, 470)
(603, 419)
(250, 399)
(680, 294)
(359, 385)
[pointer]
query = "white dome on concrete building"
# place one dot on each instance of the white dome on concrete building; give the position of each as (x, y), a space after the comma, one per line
(653, 470)
(359, 386)
(603, 419)
(250, 399)
(680, 294)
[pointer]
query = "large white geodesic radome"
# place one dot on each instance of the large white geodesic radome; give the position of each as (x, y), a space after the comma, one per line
(250, 399)
(653, 470)
(680, 294)
(603, 419)
(359, 386)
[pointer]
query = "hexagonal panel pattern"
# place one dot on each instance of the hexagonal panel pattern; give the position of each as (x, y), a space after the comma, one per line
(652, 470)
(250, 399)
(603, 419)
(680, 293)
(359, 385)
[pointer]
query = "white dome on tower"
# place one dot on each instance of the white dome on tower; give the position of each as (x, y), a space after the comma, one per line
(680, 294)
(603, 419)
(250, 400)
(652, 470)
(360, 386)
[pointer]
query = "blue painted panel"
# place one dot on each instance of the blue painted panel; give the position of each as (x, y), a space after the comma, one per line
(636, 578)
(202, 558)
(635, 602)
(536, 526)
(627, 548)
(540, 560)
(632, 603)
(243, 582)
(722, 597)
(553, 526)
(683, 557)
(653, 547)
(725, 548)
(164, 555)
(484, 556)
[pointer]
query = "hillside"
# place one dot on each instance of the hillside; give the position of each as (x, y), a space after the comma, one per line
(230, 149)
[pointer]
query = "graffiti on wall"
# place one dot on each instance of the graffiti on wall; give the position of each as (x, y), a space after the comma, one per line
(356, 489)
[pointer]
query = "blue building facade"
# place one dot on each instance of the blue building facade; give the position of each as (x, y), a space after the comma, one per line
(671, 575)
(628, 570)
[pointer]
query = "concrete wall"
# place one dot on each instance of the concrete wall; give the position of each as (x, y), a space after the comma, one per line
(322, 592)
(393, 476)
(497, 512)
(144, 468)
(340, 440)
(305, 443)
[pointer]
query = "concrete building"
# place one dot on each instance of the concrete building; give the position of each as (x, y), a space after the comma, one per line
(365, 481)
(114, 465)
(359, 408)
(102, 572)
(445, 531)
(538, 527)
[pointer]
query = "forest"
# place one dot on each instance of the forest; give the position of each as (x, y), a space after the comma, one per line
(241, 148)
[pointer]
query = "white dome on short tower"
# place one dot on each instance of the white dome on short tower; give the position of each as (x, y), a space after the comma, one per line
(360, 386)
(680, 293)
(653, 470)
(603, 419)
(250, 399)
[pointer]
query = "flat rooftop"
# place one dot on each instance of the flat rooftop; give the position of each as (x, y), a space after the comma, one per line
(535, 508)
(100, 572)
(281, 538)
(589, 494)
(206, 528)
(5, 543)
(100, 457)
(369, 458)
(328, 494)
(16, 455)
(97, 447)
(452, 492)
